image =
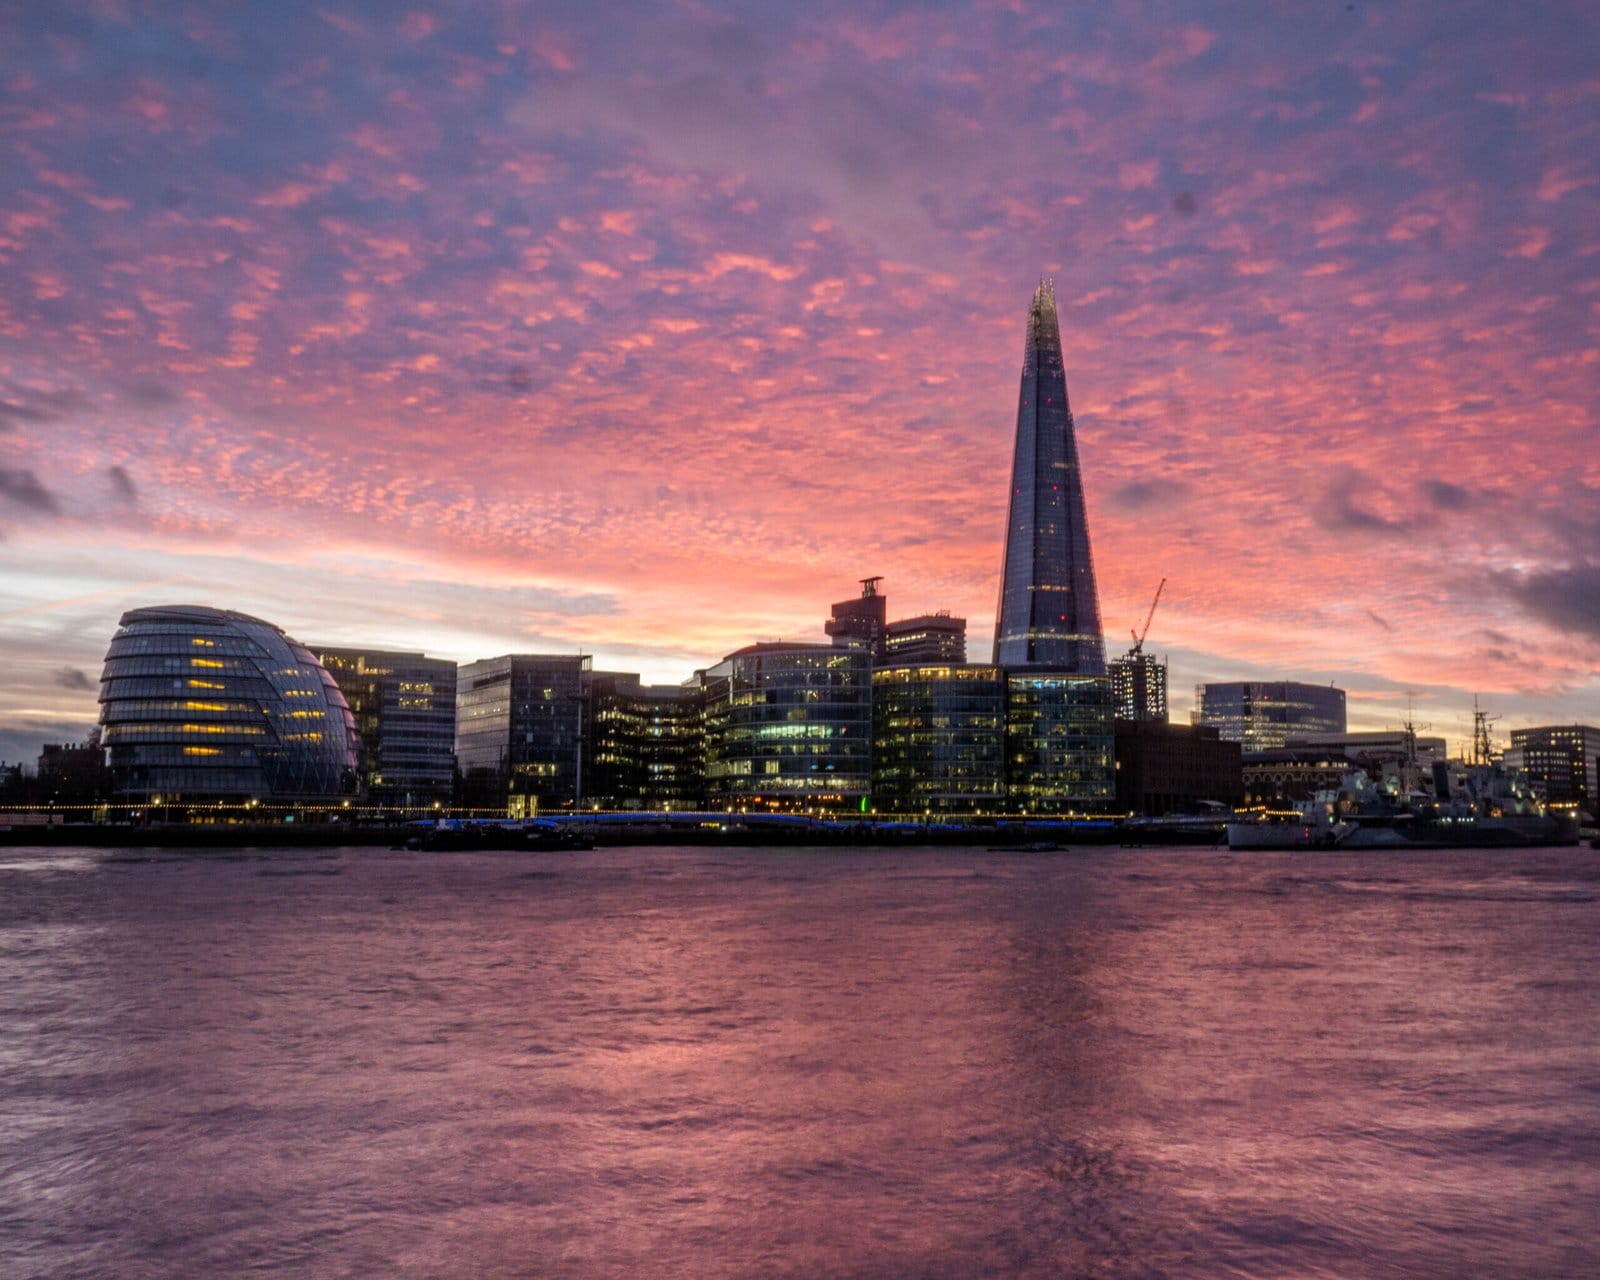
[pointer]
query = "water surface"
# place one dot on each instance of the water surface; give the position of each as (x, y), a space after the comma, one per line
(682, 1062)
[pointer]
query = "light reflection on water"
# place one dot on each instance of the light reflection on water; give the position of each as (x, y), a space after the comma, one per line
(728, 1063)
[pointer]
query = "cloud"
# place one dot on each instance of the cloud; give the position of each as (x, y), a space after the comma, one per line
(151, 395)
(1567, 599)
(33, 408)
(22, 488)
(72, 678)
(1444, 496)
(1140, 495)
(1347, 504)
(122, 485)
(14, 415)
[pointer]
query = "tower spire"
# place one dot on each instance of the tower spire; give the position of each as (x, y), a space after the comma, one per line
(1049, 613)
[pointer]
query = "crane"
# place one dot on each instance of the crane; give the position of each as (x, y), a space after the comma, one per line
(1138, 636)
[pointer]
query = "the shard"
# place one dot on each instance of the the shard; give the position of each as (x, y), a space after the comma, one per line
(1049, 614)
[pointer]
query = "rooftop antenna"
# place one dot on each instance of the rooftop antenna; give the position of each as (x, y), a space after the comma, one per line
(869, 586)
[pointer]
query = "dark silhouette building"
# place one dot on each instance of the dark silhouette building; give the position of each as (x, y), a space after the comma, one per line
(1049, 610)
(861, 623)
(1173, 768)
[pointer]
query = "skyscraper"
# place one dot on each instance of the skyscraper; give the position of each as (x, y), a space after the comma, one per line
(1049, 612)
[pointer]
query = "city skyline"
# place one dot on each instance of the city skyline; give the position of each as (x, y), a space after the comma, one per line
(471, 330)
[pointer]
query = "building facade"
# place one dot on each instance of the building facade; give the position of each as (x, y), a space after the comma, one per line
(646, 744)
(1280, 774)
(1262, 715)
(208, 706)
(788, 727)
(932, 638)
(521, 724)
(1140, 682)
(938, 739)
(1060, 743)
(404, 706)
(1175, 768)
(1049, 614)
(1563, 760)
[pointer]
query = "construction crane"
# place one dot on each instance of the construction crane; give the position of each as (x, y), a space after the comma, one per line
(1138, 636)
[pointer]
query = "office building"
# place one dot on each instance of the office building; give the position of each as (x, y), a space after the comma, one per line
(1561, 759)
(1049, 613)
(645, 744)
(1262, 715)
(1060, 743)
(204, 706)
(1175, 768)
(931, 639)
(520, 728)
(789, 727)
(1380, 752)
(938, 739)
(860, 623)
(404, 706)
(1276, 775)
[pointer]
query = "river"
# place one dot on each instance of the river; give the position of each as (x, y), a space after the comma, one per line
(851, 1063)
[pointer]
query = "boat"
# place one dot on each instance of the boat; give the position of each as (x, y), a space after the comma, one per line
(1480, 806)
(1305, 824)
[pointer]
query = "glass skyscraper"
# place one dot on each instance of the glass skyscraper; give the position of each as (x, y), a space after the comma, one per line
(1049, 612)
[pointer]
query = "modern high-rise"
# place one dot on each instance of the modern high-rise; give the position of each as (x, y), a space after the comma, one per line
(645, 744)
(938, 739)
(1140, 681)
(789, 727)
(1049, 612)
(405, 709)
(520, 727)
(1262, 715)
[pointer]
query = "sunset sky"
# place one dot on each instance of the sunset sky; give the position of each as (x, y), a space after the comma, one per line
(647, 329)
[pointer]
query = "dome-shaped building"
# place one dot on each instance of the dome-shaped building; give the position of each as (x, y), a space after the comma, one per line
(203, 704)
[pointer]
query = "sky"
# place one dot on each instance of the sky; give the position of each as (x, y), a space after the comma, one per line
(645, 330)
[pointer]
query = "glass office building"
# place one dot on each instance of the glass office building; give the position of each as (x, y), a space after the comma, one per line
(1060, 743)
(207, 705)
(520, 729)
(405, 712)
(1262, 715)
(644, 744)
(789, 727)
(938, 739)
